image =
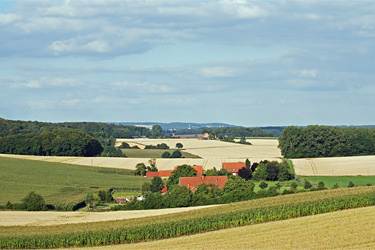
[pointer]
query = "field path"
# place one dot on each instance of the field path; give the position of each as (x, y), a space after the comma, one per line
(26, 218)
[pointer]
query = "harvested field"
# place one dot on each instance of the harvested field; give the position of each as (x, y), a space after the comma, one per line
(347, 229)
(26, 218)
(212, 153)
(335, 166)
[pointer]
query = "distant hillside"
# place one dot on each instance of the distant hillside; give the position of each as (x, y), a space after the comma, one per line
(177, 125)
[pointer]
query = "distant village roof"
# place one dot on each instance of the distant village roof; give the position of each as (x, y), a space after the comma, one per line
(152, 174)
(193, 182)
(234, 167)
(165, 173)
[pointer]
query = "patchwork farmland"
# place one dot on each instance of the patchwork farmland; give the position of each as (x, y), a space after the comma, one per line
(212, 153)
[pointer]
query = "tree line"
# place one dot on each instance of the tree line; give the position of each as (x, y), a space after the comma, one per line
(229, 131)
(57, 142)
(326, 141)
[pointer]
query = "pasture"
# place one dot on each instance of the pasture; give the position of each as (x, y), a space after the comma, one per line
(59, 183)
(335, 166)
(346, 229)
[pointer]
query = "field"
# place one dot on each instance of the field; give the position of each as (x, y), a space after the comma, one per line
(196, 221)
(347, 229)
(153, 153)
(212, 153)
(58, 183)
(342, 181)
(336, 166)
(48, 218)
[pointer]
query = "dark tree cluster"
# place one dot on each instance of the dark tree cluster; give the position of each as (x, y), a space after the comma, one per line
(57, 142)
(272, 171)
(158, 146)
(175, 154)
(326, 141)
(229, 132)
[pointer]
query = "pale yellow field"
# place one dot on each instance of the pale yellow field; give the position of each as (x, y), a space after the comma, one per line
(347, 229)
(335, 166)
(212, 153)
(26, 218)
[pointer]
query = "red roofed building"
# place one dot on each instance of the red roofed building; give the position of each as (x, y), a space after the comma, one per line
(152, 174)
(234, 167)
(164, 190)
(164, 174)
(198, 168)
(193, 182)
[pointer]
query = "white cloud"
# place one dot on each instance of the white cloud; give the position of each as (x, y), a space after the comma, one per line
(98, 46)
(309, 73)
(217, 71)
(143, 87)
(6, 19)
(46, 81)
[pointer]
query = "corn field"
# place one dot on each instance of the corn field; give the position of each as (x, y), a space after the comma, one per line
(183, 225)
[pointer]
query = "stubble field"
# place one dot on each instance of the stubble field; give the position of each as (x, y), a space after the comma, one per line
(336, 166)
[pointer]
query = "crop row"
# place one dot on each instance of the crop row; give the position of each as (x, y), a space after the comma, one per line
(187, 226)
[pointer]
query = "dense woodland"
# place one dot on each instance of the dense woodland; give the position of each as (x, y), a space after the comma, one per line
(229, 131)
(325, 141)
(57, 142)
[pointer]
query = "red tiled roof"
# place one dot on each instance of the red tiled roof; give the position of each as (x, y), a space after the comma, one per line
(152, 174)
(233, 167)
(193, 182)
(165, 173)
(164, 190)
(198, 168)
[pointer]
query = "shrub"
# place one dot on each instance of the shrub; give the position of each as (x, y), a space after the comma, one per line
(176, 154)
(34, 202)
(166, 154)
(263, 185)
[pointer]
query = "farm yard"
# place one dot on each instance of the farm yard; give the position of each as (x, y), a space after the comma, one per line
(335, 166)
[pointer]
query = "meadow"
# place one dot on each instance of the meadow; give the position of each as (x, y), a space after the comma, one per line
(59, 183)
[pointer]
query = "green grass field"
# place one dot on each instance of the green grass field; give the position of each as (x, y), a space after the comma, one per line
(153, 153)
(342, 181)
(57, 182)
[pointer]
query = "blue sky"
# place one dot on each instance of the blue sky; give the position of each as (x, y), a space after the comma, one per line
(249, 63)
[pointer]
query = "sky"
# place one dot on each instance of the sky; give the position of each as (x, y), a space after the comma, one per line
(247, 63)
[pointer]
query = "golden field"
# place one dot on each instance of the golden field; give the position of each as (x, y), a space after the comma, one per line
(346, 229)
(335, 166)
(47, 218)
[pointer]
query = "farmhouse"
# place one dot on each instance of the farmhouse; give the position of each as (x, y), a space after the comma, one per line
(198, 168)
(193, 182)
(234, 167)
(164, 174)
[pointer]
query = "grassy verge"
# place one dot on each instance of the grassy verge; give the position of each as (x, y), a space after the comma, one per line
(57, 182)
(153, 153)
(166, 226)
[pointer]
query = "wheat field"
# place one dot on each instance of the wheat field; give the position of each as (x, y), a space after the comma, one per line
(335, 166)
(346, 229)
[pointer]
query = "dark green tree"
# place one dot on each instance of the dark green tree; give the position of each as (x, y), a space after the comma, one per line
(166, 154)
(176, 154)
(245, 173)
(156, 184)
(263, 185)
(157, 131)
(179, 145)
(34, 202)
(177, 196)
(181, 171)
